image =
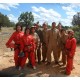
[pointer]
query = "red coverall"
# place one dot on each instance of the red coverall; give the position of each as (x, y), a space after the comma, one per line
(16, 36)
(70, 47)
(28, 46)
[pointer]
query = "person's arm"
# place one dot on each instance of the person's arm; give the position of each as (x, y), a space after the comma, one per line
(66, 37)
(33, 44)
(38, 41)
(41, 36)
(10, 40)
(47, 37)
(73, 48)
(58, 38)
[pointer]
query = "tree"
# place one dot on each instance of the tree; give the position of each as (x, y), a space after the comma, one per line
(76, 26)
(12, 24)
(26, 18)
(4, 20)
(76, 19)
(76, 30)
(65, 27)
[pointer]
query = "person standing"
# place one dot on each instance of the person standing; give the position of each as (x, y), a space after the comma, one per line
(16, 37)
(59, 40)
(64, 37)
(28, 47)
(52, 44)
(36, 38)
(39, 32)
(70, 51)
(44, 41)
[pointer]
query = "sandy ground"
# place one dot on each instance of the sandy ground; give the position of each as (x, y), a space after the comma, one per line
(7, 67)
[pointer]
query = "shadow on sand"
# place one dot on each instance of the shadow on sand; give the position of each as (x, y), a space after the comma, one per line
(41, 71)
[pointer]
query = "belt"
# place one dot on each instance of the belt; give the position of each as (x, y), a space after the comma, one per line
(68, 49)
(28, 51)
(28, 46)
(17, 46)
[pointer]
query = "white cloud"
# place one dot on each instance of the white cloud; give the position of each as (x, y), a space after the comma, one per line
(13, 18)
(70, 11)
(36, 15)
(42, 14)
(66, 21)
(46, 11)
(35, 9)
(68, 8)
(75, 5)
(7, 6)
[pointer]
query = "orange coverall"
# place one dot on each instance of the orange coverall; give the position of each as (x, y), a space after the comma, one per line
(70, 49)
(28, 47)
(16, 36)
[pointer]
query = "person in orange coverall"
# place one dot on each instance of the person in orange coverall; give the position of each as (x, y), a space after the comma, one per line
(15, 37)
(28, 47)
(70, 51)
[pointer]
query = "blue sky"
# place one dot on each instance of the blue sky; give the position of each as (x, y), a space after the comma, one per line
(49, 12)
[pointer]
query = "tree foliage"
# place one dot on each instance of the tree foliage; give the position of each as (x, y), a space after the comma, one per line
(76, 24)
(76, 19)
(26, 18)
(12, 24)
(4, 20)
(76, 30)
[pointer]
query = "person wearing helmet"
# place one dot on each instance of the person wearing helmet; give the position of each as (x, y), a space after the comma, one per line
(37, 42)
(44, 46)
(70, 51)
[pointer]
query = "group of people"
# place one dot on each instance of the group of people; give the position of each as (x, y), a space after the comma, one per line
(34, 41)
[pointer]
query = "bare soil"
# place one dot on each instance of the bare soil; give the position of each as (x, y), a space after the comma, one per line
(7, 67)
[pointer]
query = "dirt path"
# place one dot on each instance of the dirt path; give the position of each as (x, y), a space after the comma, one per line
(7, 63)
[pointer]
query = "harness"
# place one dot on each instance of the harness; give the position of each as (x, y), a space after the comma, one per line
(68, 49)
(17, 46)
(28, 48)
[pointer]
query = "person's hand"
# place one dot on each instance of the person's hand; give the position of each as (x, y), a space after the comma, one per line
(8, 46)
(67, 52)
(37, 47)
(21, 51)
(21, 54)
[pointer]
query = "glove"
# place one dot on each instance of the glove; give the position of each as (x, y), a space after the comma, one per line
(21, 54)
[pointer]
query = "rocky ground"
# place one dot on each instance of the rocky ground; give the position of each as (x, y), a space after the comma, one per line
(7, 63)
